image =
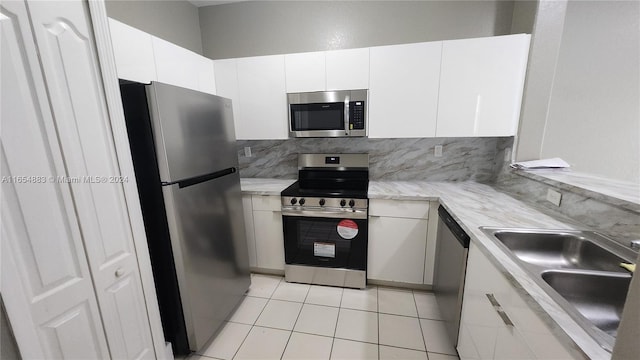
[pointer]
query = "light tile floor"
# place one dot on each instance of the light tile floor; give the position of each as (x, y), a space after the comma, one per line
(280, 320)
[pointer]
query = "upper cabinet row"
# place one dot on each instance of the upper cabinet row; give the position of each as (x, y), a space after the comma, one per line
(457, 88)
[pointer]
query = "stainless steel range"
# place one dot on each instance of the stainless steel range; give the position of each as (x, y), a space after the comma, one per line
(325, 220)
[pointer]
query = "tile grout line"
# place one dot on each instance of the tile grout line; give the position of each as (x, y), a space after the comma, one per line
(420, 324)
(252, 326)
(295, 322)
(335, 329)
(378, 317)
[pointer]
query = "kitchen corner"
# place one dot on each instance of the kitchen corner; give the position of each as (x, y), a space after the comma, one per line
(475, 205)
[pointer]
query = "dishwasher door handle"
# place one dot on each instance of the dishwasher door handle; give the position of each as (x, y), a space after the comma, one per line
(498, 308)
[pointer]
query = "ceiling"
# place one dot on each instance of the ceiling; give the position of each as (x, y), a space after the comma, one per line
(200, 3)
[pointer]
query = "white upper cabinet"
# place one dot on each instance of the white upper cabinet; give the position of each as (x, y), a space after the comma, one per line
(175, 65)
(404, 90)
(481, 86)
(305, 72)
(206, 75)
(227, 83)
(133, 51)
(262, 111)
(347, 69)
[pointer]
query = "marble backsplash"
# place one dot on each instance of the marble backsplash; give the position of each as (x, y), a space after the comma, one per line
(390, 159)
(621, 223)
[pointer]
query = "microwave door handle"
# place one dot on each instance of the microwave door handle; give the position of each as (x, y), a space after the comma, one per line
(346, 115)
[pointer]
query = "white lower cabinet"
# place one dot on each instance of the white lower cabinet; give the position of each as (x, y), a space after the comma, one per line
(268, 236)
(519, 333)
(249, 229)
(397, 240)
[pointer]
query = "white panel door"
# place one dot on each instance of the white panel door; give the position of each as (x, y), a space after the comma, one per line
(481, 86)
(404, 90)
(133, 51)
(396, 249)
(64, 37)
(348, 69)
(305, 72)
(46, 281)
(263, 101)
(175, 65)
(226, 77)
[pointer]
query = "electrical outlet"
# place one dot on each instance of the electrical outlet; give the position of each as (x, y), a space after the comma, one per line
(554, 197)
(437, 151)
(247, 151)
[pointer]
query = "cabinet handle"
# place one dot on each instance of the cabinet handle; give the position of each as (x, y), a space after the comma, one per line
(119, 272)
(498, 308)
(374, 216)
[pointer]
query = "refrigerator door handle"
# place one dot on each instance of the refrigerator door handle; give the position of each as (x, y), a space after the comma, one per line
(200, 179)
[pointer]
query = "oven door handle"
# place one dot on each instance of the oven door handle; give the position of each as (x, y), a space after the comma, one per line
(345, 214)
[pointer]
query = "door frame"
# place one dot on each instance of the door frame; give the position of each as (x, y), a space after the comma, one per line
(107, 63)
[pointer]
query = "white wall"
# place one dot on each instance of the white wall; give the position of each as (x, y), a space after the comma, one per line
(173, 20)
(592, 115)
(594, 112)
(276, 27)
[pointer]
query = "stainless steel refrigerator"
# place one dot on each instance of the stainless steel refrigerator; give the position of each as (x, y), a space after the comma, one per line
(185, 159)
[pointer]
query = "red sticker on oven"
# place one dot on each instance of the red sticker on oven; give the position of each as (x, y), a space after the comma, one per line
(347, 229)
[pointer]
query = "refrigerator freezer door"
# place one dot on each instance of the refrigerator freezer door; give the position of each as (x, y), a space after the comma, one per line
(210, 251)
(194, 132)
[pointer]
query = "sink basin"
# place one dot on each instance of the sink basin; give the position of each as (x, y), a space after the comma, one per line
(559, 250)
(598, 297)
(578, 269)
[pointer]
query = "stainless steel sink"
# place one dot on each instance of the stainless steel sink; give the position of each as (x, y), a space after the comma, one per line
(598, 297)
(559, 250)
(578, 269)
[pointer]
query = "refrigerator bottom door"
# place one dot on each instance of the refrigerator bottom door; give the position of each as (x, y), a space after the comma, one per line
(210, 251)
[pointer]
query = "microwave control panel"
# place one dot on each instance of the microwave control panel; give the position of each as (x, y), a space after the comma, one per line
(356, 115)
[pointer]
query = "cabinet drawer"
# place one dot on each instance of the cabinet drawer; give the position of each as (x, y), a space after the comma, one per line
(399, 208)
(266, 202)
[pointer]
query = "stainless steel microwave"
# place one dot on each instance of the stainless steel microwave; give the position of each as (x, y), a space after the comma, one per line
(328, 113)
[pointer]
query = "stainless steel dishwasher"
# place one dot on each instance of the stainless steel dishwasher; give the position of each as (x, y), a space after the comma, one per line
(452, 248)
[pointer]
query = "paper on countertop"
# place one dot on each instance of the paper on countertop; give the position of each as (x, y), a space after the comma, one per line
(554, 163)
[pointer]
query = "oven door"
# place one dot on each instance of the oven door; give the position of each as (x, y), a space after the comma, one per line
(326, 242)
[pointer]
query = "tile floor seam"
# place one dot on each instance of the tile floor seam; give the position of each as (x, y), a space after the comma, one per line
(366, 342)
(242, 343)
(378, 317)
(420, 324)
(294, 323)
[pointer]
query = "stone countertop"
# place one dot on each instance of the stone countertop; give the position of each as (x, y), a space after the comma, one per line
(474, 205)
(263, 186)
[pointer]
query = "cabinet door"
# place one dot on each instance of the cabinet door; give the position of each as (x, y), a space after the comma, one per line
(248, 224)
(347, 69)
(133, 51)
(175, 65)
(396, 249)
(64, 37)
(484, 334)
(269, 238)
(404, 90)
(226, 77)
(206, 75)
(263, 101)
(305, 72)
(481, 86)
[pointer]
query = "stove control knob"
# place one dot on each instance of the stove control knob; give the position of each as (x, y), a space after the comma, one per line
(352, 203)
(293, 201)
(321, 202)
(301, 202)
(343, 202)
